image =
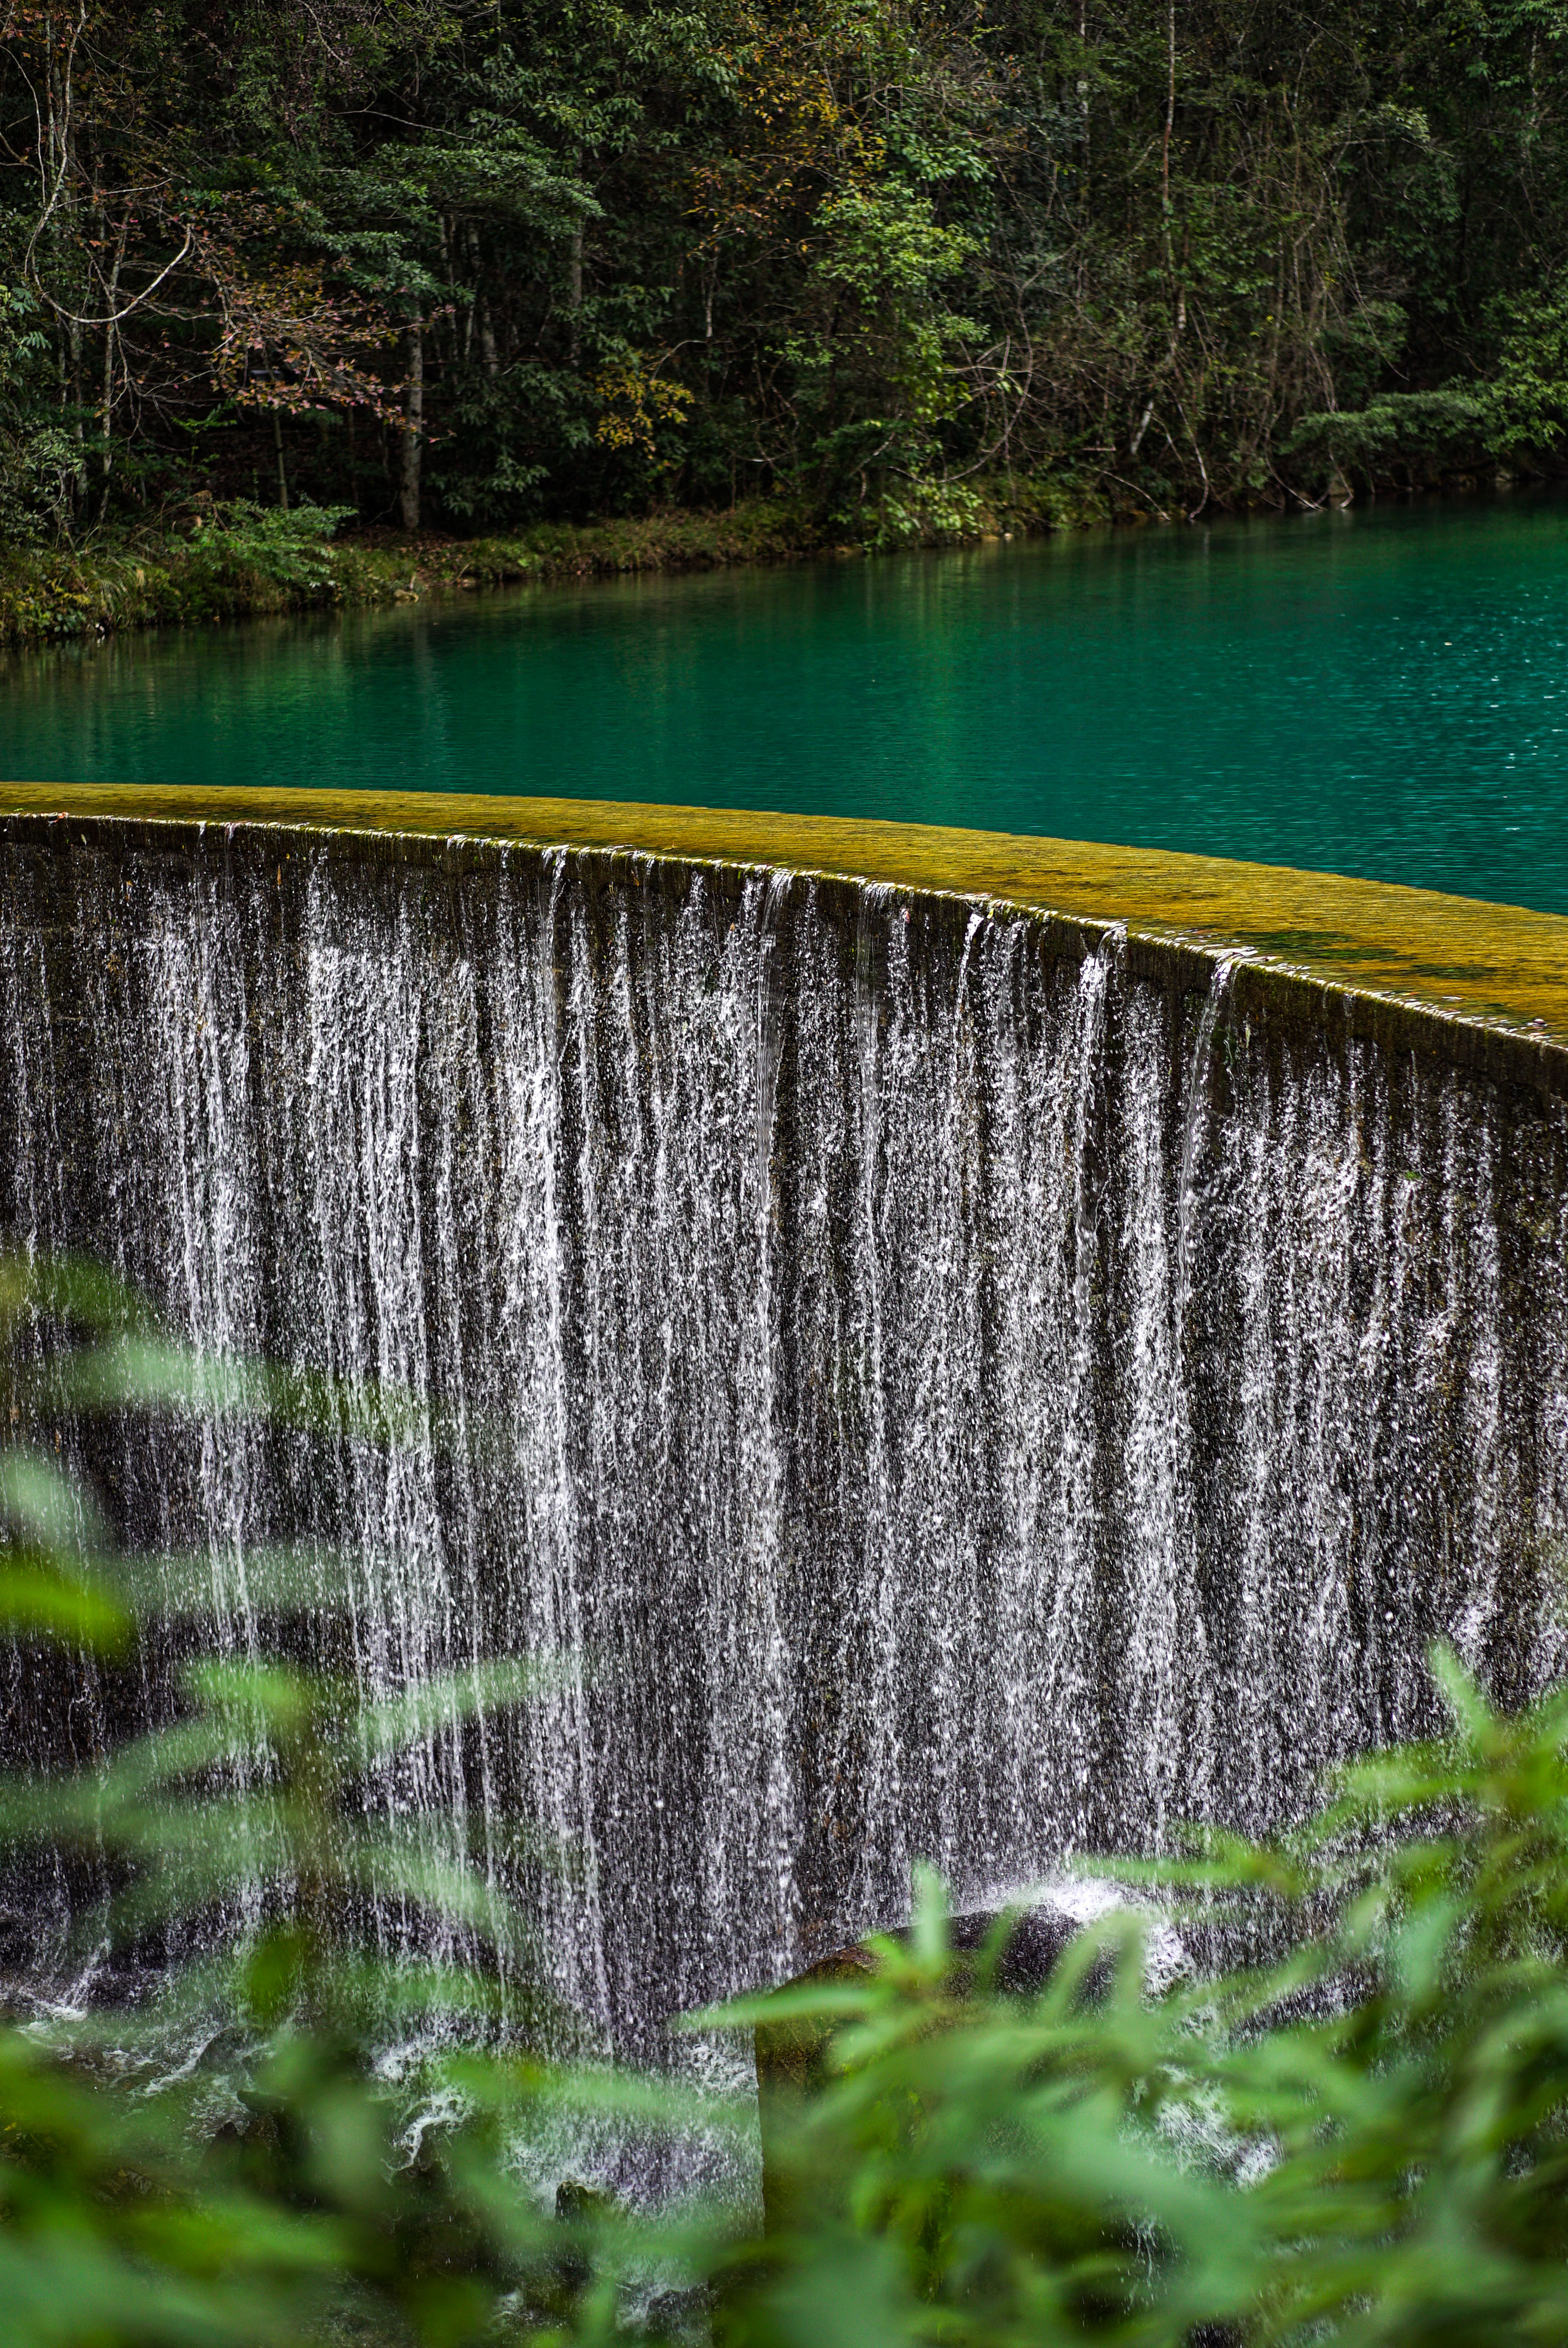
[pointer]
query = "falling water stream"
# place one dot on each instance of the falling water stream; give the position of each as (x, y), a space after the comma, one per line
(971, 1388)
(1197, 1103)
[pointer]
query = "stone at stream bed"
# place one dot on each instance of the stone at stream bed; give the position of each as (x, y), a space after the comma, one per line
(792, 2051)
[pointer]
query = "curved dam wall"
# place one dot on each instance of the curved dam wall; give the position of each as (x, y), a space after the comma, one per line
(973, 1383)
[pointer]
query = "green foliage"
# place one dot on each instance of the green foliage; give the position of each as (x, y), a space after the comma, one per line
(548, 259)
(153, 576)
(40, 456)
(1527, 392)
(299, 2194)
(1361, 2138)
(287, 546)
(1423, 433)
(1363, 2141)
(236, 2159)
(921, 509)
(876, 412)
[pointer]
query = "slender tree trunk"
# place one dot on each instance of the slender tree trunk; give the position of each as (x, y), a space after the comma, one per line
(574, 292)
(479, 319)
(283, 469)
(413, 427)
(1169, 124)
(105, 439)
(1178, 293)
(448, 264)
(1084, 97)
(58, 182)
(574, 278)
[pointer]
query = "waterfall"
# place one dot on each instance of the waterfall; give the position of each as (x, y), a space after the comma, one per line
(969, 1385)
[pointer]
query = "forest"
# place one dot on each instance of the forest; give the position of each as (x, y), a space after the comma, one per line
(886, 266)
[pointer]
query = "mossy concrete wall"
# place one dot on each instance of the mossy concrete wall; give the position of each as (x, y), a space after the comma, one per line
(985, 1371)
(1503, 969)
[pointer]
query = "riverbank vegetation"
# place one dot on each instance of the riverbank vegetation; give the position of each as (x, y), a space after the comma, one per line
(288, 2131)
(749, 275)
(239, 560)
(242, 559)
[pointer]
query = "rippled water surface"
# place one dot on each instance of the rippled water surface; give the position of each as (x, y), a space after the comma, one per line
(1383, 692)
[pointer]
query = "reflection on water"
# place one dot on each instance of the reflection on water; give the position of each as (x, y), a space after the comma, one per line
(1382, 692)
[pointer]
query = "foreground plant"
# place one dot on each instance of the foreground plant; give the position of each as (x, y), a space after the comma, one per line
(1363, 2141)
(1366, 2141)
(304, 2129)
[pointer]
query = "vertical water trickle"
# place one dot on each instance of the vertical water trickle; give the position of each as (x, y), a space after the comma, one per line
(762, 1660)
(1178, 1713)
(1196, 1109)
(1073, 1639)
(947, 1420)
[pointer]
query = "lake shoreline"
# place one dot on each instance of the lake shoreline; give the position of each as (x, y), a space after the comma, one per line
(204, 568)
(208, 567)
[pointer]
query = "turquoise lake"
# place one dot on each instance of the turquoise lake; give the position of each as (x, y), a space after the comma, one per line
(1381, 692)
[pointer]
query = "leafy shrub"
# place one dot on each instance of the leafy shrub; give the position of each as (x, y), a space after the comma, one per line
(289, 546)
(41, 456)
(235, 2160)
(1363, 2139)
(1421, 433)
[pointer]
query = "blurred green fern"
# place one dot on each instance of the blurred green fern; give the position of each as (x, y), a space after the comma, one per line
(1363, 2139)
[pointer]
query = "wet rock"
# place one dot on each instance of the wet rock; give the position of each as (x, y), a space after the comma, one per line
(576, 2202)
(791, 2053)
(683, 2316)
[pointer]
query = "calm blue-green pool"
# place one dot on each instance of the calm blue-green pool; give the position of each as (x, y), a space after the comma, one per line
(1381, 692)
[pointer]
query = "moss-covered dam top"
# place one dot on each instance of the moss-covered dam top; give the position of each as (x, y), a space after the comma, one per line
(1486, 984)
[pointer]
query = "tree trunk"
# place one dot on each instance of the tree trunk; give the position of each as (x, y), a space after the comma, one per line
(104, 430)
(1169, 124)
(574, 292)
(283, 469)
(413, 425)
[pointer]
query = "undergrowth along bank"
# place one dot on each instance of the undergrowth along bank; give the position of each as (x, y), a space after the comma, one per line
(245, 561)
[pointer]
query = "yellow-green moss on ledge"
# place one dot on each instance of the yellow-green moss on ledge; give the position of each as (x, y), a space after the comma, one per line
(1501, 969)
